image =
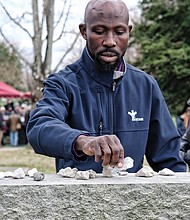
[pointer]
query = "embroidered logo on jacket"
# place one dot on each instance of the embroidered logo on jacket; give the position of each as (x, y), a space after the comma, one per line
(133, 113)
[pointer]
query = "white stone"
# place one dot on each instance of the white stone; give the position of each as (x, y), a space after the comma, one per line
(123, 173)
(82, 175)
(128, 163)
(145, 171)
(31, 172)
(8, 174)
(68, 172)
(2, 175)
(19, 173)
(92, 174)
(107, 171)
(166, 172)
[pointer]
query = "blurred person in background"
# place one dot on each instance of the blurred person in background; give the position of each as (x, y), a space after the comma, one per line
(1, 126)
(4, 125)
(14, 124)
(182, 118)
(185, 141)
(188, 128)
(24, 113)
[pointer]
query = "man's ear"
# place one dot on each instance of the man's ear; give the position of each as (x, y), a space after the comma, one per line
(82, 28)
(130, 28)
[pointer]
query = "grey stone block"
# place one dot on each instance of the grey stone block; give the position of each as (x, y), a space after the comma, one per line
(117, 198)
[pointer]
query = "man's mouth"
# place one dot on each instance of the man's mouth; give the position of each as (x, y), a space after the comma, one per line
(108, 57)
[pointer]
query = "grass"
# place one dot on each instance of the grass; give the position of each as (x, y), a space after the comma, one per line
(12, 158)
(25, 157)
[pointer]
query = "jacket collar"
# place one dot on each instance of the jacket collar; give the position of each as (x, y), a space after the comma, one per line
(104, 78)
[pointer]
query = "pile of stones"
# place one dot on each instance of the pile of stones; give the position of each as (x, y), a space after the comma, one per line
(20, 174)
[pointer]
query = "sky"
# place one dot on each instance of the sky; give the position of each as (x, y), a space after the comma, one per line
(77, 10)
(78, 6)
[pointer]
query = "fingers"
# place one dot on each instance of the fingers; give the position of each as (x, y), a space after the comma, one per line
(101, 150)
(106, 148)
(106, 154)
(117, 153)
(121, 159)
(109, 149)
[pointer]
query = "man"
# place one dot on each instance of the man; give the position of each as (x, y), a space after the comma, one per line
(182, 119)
(100, 109)
(14, 123)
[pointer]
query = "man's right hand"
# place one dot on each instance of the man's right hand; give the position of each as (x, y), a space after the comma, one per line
(107, 148)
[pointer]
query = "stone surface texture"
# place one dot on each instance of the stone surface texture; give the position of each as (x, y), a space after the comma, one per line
(117, 198)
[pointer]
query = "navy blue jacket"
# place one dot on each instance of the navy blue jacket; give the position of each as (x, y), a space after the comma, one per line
(80, 100)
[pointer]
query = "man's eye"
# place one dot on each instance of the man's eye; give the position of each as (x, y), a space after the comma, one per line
(119, 32)
(99, 31)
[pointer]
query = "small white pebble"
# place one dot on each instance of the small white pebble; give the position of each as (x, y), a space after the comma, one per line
(166, 172)
(123, 173)
(2, 175)
(8, 174)
(107, 171)
(82, 175)
(92, 174)
(145, 171)
(31, 172)
(18, 173)
(68, 172)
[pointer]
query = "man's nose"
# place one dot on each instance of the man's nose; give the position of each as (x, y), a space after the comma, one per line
(109, 40)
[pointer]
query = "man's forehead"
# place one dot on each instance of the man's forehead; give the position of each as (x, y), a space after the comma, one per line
(106, 8)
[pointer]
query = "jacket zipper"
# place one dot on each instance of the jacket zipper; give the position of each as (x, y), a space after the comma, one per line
(112, 107)
(100, 126)
(112, 110)
(113, 86)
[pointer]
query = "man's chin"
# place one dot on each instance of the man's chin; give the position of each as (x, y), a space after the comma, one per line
(106, 67)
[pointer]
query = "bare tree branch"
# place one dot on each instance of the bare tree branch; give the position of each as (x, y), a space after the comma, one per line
(13, 20)
(64, 24)
(68, 50)
(49, 13)
(37, 39)
(61, 15)
(22, 17)
(18, 53)
(40, 65)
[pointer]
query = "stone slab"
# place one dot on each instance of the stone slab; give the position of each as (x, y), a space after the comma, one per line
(121, 197)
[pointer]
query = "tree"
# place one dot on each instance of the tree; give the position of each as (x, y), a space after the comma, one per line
(45, 24)
(10, 67)
(163, 36)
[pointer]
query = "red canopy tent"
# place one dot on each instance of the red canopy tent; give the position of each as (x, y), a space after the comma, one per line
(8, 91)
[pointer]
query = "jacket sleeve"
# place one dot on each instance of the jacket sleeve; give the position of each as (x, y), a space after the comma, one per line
(163, 147)
(47, 129)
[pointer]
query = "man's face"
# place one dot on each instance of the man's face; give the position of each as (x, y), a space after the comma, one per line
(107, 33)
